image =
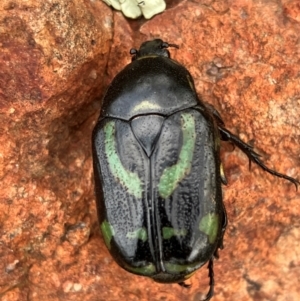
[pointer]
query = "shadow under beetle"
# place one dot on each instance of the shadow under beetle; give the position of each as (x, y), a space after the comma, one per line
(158, 172)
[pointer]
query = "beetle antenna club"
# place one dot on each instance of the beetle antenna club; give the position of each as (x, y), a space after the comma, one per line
(158, 171)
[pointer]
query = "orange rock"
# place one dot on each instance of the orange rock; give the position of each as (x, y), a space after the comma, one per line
(56, 60)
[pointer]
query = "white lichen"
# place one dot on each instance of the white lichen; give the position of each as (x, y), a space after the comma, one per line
(135, 8)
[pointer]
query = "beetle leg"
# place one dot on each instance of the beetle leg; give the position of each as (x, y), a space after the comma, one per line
(211, 280)
(215, 114)
(210, 293)
(221, 246)
(226, 135)
(183, 284)
(252, 155)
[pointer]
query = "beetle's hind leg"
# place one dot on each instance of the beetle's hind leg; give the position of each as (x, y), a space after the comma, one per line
(210, 267)
(210, 293)
(252, 155)
(183, 284)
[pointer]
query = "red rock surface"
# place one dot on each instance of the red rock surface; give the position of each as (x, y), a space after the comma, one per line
(56, 58)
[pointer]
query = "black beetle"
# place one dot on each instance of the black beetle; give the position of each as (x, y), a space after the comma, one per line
(157, 169)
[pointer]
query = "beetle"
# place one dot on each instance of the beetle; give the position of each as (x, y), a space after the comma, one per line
(157, 169)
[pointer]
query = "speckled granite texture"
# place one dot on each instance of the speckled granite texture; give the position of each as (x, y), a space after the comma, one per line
(56, 60)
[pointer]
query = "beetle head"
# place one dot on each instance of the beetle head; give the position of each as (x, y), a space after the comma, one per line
(155, 47)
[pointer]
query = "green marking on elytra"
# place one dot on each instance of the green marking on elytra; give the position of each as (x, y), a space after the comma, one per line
(107, 232)
(209, 224)
(179, 268)
(139, 234)
(168, 232)
(147, 270)
(172, 175)
(127, 179)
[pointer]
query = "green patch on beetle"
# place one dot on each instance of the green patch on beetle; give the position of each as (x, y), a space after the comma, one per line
(146, 270)
(169, 232)
(172, 175)
(138, 234)
(127, 179)
(107, 232)
(209, 224)
(174, 268)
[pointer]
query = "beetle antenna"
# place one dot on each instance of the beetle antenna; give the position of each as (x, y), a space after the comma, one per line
(173, 45)
(167, 45)
(211, 280)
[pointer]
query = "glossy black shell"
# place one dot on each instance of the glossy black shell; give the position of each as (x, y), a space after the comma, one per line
(154, 129)
(161, 84)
